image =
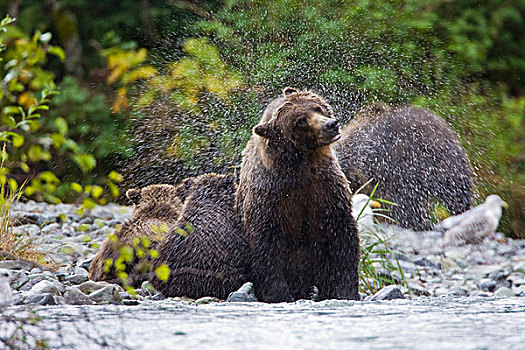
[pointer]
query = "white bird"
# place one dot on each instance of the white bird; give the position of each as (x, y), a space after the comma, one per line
(363, 213)
(6, 295)
(474, 225)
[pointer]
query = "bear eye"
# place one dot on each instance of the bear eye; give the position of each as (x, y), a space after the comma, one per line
(301, 121)
(318, 109)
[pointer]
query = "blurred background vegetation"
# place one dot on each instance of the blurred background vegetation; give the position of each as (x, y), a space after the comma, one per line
(98, 95)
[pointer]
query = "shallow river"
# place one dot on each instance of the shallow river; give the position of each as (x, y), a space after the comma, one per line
(425, 323)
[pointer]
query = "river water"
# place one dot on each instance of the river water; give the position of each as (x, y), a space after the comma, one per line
(421, 323)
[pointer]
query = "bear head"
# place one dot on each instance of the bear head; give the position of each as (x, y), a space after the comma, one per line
(301, 119)
(156, 201)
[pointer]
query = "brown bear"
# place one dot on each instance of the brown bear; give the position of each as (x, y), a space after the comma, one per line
(157, 207)
(295, 204)
(205, 250)
(415, 156)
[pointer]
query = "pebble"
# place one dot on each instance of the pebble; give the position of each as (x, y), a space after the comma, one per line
(206, 300)
(388, 293)
(40, 299)
(504, 292)
(47, 287)
(108, 294)
(487, 285)
(89, 287)
(16, 265)
(244, 294)
(74, 296)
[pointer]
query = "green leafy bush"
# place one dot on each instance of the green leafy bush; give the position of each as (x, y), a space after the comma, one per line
(40, 150)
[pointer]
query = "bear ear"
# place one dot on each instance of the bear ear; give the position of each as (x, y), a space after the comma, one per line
(265, 130)
(134, 195)
(289, 90)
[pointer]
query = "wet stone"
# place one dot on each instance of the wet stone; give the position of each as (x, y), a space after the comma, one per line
(76, 279)
(519, 267)
(108, 294)
(51, 228)
(244, 294)
(459, 292)
(31, 230)
(206, 300)
(425, 262)
(41, 299)
(92, 286)
(388, 293)
(46, 286)
(19, 278)
(74, 296)
(487, 285)
(158, 296)
(448, 264)
(16, 265)
(504, 292)
(418, 290)
(147, 289)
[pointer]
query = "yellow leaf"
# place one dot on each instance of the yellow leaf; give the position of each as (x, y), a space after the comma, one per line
(163, 272)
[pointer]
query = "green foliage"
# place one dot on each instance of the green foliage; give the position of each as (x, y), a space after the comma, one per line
(137, 257)
(40, 150)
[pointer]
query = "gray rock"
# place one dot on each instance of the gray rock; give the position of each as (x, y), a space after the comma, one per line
(244, 294)
(19, 278)
(86, 263)
(74, 296)
(158, 296)
(51, 228)
(147, 289)
(388, 293)
(206, 300)
(480, 294)
(487, 285)
(76, 279)
(481, 271)
(31, 230)
(86, 221)
(519, 267)
(459, 292)
(418, 290)
(40, 299)
(92, 286)
(448, 264)
(46, 286)
(504, 292)
(108, 294)
(499, 275)
(425, 262)
(16, 265)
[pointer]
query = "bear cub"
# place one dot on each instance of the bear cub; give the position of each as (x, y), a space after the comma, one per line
(156, 208)
(205, 249)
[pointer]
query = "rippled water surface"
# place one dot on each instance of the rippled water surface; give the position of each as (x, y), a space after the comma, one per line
(426, 323)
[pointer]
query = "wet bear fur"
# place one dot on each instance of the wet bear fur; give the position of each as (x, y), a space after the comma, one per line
(295, 204)
(415, 156)
(205, 250)
(157, 207)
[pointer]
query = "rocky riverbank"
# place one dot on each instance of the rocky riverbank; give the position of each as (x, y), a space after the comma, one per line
(494, 268)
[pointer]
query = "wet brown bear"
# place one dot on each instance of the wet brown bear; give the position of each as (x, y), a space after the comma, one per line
(295, 204)
(205, 249)
(414, 155)
(156, 208)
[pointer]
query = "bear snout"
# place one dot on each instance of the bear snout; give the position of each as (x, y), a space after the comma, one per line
(330, 132)
(331, 126)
